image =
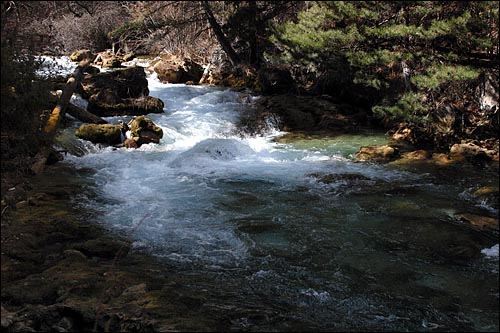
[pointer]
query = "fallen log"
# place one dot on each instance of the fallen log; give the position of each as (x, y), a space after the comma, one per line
(60, 108)
(57, 115)
(84, 115)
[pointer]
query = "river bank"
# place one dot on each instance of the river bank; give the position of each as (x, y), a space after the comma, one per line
(62, 272)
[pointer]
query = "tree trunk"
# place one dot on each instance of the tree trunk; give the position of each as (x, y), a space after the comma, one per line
(84, 115)
(221, 38)
(58, 112)
(56, 116)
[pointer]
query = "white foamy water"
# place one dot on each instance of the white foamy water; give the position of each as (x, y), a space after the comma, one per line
(54, 66)
(491, 252)
(181, 182)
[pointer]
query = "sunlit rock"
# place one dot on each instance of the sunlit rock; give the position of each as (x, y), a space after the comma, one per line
(100, 133)
(469, 150)
(479, 222)
(143, 131)
(377, 153)
(176, 70)
(81, 55)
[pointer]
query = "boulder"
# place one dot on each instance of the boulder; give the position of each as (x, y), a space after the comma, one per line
(417, 155)
(100, 133)
(92, 70)
(108, 59)
(377, 153)
(470, 151)
(176, 70)
(218, 67)
(143, 131)
(105, 104)
(81, 55)
(104, 247)
(479, 222)
(488, 195)
(128, 57)
(168, 72)
(124, 83)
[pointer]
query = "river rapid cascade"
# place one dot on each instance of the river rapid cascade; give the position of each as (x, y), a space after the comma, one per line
(257, 229)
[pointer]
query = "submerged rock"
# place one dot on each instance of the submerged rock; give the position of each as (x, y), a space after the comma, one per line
(331, 178)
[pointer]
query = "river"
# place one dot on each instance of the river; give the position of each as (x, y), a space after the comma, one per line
(253, 227)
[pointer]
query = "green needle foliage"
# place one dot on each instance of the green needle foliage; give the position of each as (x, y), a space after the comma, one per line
(405, 56)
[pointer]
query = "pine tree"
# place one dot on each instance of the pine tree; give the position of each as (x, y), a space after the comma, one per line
(408, 55)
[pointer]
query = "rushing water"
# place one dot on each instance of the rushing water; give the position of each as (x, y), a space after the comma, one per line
(257, 232)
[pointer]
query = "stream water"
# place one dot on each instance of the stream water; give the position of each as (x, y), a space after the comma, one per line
(255, 230)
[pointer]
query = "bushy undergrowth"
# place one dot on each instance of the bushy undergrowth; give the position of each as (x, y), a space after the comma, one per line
(23, 98)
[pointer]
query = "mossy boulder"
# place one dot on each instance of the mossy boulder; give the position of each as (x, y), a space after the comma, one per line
(100, 133)
(143, 131)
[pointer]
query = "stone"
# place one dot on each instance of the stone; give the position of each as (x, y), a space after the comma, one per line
(143, 131)
(108, 59)
(100, 133)
(418, 155)
(377, 153)
(104, 247)
(135, 290)
(331, 178)
(122, 83)
(479, 222)
(469, 150)
(172, 69)
(131, 143)
(74, 255)
(107, 106)
(81, 55)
